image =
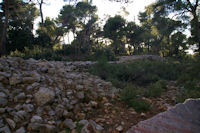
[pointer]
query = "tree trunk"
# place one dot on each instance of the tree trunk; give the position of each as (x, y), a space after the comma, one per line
(198, 32)
(197, 27)
(4, 31)
(41, 13)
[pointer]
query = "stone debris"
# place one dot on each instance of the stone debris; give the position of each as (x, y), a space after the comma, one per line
(183, 118)
(48, 96)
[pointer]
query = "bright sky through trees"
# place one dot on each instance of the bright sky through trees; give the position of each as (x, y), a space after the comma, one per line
(105, 7)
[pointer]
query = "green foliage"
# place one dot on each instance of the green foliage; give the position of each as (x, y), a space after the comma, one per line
(139, 104)
(40, 53)
(186, 94)
(114, 30)
(79, 127)
(67, 130)
(81, 21)
(108, 53)
(140, 72)
(20, 25)
(48, 33)
(129, 92)
(101, 68)
(189, 80)
(156, 89)
(130, 95)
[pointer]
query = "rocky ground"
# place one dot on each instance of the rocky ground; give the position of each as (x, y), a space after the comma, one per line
(41, 96)
(183, 118)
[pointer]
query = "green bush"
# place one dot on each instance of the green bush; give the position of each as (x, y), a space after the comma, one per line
(156, 89)
(98, 53)
(140, 73)
(131, 96)
(189, 79)
(101, 68)
(40, 53)
(129, 92)
(186, 94)
(139, 104)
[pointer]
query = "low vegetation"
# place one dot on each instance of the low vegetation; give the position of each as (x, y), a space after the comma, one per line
(145, 78)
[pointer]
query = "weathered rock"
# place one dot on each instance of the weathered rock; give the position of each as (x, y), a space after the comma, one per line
(41, 93)
(2, 110)
(15, 79)
(36, 118)
(1, 123)
(179, 119)
(3, 95)
(119, 128)
(5, 74)
(44, 95)
(19, 97)
(18, 107)
(42, 128)
(93, 104)
(3, 102)
(80, 95)
(20, 115)
(28, 107)
(69, 124)
(83, 122)
(34, 77)
(11, 123)
(5, 129)
(97, 128)
(21, 130)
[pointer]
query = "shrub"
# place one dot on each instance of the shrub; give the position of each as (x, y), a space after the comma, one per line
(156, 89)
(131, 96)
(140, 73)
(128, 93)
(101, 68)
(108, 53)
(40, 53)
(186, 94)
(139, 104)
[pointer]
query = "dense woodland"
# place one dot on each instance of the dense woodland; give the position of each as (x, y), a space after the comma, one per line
(161, 31)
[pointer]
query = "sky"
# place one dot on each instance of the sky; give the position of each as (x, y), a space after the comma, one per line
(105, 7)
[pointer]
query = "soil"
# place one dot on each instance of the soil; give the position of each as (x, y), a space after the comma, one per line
(113, 113)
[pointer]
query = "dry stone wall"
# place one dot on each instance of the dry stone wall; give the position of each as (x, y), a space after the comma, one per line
(42, 96)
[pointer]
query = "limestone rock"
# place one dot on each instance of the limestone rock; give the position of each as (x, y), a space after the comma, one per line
(2, 110)
(44, 95)
(21, 130)
(19, 97)
(36, 118)
(15, 79)
(28, 107)
(97, 128)
(69, 124)
(42, 128)
(3, 102)
(3, 95)
(5, 129)
(20, 115)
(80, 95)
(119, 128)
(179, 119)
(11, 123)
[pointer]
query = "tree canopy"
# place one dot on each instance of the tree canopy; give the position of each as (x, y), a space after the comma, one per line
(161, 29)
